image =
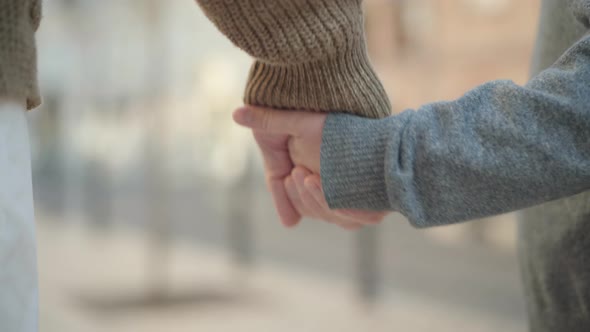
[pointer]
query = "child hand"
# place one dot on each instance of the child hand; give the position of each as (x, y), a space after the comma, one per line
(305, 192)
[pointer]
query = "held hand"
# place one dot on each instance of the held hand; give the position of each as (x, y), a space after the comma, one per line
(306, 194)
(299, 133)
(288, 139)
(278, 135)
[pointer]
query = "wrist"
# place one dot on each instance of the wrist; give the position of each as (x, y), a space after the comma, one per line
(354, 155)
(344, 82)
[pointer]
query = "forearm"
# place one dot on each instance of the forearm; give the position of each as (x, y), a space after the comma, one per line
(308, 54)
(19, 19)
(499, 148)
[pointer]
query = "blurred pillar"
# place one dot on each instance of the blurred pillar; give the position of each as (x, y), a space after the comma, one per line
(98, 203)
(67, 117)
(367, 264)
(49, 168)
(157, 199)
(240, 230)
(97, 182)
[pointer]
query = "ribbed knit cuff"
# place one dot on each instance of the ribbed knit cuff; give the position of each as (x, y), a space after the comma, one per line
(309, 54)
(355, 156)
(343, 83)
(18, 59)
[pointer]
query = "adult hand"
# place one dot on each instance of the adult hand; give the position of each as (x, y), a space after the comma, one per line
(297, 133)
(289, 139)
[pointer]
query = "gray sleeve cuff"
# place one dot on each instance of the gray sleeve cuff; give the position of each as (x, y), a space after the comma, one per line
(355, 155)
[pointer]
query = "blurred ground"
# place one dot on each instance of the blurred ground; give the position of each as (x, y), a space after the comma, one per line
(97, 282)
(101, 279)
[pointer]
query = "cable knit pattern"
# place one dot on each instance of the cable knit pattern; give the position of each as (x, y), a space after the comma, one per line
(310, 54)
(19, 19)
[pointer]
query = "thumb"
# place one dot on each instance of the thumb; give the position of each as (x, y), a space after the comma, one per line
(269, 120)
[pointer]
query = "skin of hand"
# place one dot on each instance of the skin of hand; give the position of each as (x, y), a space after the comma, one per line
(290, 142)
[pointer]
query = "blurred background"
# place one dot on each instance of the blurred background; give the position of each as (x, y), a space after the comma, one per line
(151, 205)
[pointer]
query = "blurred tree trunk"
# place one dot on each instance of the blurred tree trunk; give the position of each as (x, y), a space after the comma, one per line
(241, 197)
(367, 264)
(157, 203)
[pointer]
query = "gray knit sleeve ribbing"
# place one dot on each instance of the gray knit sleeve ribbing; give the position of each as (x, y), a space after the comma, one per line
(499, 148)
(19, 19)
(310, 54)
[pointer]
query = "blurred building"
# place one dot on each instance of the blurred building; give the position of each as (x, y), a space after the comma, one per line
(430, 50)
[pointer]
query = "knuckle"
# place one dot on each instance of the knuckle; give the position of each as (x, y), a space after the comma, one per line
(265, 120)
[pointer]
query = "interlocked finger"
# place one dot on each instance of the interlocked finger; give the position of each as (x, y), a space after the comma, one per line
(295, 198)
(318, 211)
(313, 185)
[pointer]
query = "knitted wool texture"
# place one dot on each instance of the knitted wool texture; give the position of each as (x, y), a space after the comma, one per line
(19, 19)
(309, 54)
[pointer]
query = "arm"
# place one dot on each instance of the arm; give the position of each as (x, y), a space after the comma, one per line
(19, 19)
(18, 298)
(309, 54)
(499, 148)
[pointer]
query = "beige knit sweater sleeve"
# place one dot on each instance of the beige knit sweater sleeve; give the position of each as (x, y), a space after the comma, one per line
(19, 19)
(309, 54)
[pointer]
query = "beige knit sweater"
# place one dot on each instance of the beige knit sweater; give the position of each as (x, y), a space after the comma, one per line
(310, 54)
(19, 19)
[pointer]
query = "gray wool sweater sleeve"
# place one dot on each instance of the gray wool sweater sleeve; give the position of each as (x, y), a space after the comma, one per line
(499, 148)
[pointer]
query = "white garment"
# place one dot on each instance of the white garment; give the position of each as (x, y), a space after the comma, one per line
(18, 257)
